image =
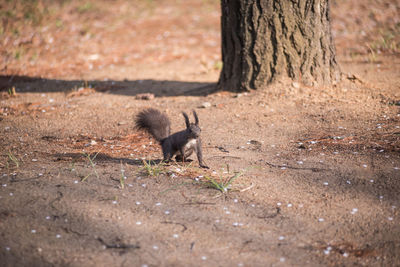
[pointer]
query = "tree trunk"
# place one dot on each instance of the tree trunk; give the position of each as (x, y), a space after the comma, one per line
(265, 40)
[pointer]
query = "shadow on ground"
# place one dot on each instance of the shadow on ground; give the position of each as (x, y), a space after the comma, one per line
(126, 87)
(102, 157)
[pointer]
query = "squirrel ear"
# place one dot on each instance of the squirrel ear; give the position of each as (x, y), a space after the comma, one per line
(186, 119)
(196, 119)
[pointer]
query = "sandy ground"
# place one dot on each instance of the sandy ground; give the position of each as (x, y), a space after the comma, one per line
(319, 167)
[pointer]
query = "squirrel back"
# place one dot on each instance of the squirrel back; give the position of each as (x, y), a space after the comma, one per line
(155, 122)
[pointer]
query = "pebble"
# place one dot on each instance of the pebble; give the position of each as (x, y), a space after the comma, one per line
(205, 105)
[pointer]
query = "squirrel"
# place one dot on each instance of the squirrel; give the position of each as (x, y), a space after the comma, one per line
(180, 144)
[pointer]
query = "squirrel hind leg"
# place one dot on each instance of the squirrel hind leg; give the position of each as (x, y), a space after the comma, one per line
(167, 156)
(187, 153)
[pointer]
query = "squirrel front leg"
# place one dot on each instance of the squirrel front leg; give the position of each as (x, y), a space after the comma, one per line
(200, 154)
(182, 151)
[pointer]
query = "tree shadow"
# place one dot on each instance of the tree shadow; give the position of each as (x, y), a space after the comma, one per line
(126, 87)
(102, 157)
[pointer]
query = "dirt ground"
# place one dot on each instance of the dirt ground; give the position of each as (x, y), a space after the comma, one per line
(320, 167)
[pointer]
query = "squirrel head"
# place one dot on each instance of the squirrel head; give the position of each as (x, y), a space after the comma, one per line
(192, 128)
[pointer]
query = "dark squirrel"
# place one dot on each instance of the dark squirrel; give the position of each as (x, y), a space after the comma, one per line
(180, 144)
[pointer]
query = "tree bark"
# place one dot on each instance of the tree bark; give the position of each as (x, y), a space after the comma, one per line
(266, 40)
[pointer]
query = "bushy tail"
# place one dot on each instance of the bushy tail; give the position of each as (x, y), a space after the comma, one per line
(155, 122)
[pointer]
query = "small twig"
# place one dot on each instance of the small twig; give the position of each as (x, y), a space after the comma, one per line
(199, 203)
(294, 168)
(118, 245)
(225, 156)
(122, 179)
(247, 188)
(181, 224)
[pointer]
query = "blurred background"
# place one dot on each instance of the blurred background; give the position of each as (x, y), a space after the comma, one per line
(164, 39)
